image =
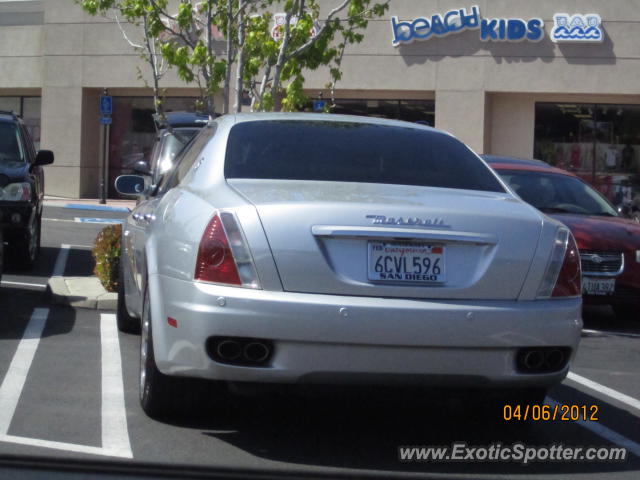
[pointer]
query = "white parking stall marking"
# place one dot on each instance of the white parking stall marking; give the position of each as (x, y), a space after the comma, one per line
(609, 392)
(14, 380)
(61, 261)
(67, 447)
(589, 331)
(606, 433)
(23, 284)
(115, 437)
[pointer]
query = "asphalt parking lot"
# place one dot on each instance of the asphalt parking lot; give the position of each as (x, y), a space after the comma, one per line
(70, 390)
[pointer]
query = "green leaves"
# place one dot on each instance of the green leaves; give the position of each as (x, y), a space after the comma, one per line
(271, 68)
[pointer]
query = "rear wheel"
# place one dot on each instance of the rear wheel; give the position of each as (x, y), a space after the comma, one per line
(27, 244)
(157, 391)
(165, 396)
(126, 323)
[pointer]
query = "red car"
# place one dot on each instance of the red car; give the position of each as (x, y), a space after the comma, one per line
(609, 244)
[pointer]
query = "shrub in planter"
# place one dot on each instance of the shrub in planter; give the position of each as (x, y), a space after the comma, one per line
(106, 253)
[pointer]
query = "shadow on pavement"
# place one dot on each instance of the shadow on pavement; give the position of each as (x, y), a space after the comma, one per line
(17, 306)
(364, 430)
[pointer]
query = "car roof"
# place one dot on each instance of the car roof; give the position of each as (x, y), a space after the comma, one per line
(326, 117)
(182, 119)
(9, 116)
(513, 163)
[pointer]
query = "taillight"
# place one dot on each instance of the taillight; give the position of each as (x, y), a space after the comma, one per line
(569, 283)
(223, 256)
(563, 275)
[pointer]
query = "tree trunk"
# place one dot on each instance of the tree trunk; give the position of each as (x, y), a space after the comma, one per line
(240, 59)
(282, 56)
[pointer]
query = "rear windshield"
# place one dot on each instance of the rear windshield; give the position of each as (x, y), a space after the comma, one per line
(353, 152)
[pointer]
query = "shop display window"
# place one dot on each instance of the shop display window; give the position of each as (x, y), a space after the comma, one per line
(599, 142)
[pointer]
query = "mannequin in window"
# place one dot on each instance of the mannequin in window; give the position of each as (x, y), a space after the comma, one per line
(628, 155)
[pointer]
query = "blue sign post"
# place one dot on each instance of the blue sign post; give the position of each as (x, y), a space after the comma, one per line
(318, 105)
(106, 109)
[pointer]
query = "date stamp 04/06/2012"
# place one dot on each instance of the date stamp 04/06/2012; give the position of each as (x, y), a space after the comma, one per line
(549, 413)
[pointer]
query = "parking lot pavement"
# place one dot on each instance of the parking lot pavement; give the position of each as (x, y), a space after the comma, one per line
(69, 389)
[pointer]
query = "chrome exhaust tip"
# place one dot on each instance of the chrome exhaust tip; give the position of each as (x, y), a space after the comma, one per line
(229, 350)
(256, 352)
(534, 360)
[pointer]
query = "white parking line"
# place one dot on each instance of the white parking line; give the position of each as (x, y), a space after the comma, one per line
(13, 382)
(609, 332)
(22, 284)
(606, 433)
(609, 392)
(61, 261)
(115, 437)
(67, 447)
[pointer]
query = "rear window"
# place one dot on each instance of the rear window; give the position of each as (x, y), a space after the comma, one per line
(353, 152)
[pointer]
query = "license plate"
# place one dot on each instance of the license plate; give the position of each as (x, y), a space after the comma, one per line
(598, 286)
(406, 262)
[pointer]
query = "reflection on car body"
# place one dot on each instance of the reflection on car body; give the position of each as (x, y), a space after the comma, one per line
(263, 264)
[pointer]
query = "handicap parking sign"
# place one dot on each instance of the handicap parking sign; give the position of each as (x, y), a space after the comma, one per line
(106, 105)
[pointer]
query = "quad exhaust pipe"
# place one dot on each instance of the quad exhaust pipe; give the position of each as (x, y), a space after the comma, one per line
(240, 351)
(543, 359)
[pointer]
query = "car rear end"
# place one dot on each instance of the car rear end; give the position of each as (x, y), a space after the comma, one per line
(329, 249)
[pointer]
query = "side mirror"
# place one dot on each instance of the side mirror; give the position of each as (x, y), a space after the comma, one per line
(44, 157)
(130, 185)
(142, 167)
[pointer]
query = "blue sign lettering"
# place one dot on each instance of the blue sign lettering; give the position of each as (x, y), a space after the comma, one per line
(422, 28)
(491, 29)
(511, 30)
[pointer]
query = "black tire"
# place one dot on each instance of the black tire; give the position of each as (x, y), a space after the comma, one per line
(157, 391)
(27, 245)
(163, 396)
(126, 323)
(627, 311)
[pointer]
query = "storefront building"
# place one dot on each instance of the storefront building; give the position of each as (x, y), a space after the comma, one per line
(555, 80)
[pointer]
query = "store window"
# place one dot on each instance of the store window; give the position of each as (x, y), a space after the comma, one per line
(599, 142)
(29, 109)
(422, 111)
(133, 132)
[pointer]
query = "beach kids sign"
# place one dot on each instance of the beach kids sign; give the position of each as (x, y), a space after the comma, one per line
(567, 28)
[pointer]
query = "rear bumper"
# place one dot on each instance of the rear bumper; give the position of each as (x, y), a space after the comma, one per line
(337, 339)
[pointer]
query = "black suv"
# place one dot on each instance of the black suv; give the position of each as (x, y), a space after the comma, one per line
(175, 130)
(21, 191)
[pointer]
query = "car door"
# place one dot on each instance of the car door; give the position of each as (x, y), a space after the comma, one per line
(35, 172)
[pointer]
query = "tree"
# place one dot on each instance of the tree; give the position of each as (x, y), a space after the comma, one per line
(147, 46)
(264, 53)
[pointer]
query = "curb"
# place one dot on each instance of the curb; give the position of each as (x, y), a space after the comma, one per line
(81, 292)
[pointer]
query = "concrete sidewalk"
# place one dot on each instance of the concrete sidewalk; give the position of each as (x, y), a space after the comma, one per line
(81, 292)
